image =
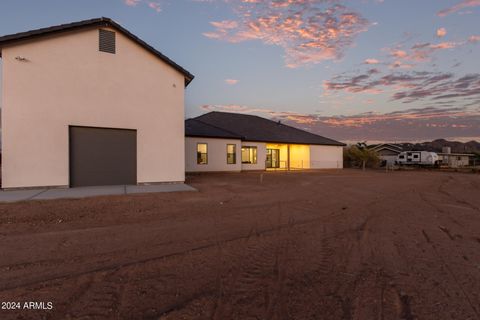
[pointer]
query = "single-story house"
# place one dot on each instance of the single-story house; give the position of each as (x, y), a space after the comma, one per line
(222, 141)
(89, 103)
(387, 152)
(455, 160)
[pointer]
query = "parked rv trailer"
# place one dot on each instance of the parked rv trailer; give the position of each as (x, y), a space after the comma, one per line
(422, 158)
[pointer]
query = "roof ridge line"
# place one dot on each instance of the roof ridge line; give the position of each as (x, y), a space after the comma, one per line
(277, 122)
(214, 117)
(102, 21)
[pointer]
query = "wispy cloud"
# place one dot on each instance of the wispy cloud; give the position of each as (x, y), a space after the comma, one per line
(152, 4)
(461, 5)
(411, 86)
(155, 6)
(132, 3)
(309, 31)
(422, 52)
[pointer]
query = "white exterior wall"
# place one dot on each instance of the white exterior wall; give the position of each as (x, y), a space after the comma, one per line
(67, 81)
(299, 156)
(321, 157)
(261, 156)
(326, 157)
(216, 155)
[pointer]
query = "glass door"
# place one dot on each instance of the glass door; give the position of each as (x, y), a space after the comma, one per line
(273, 158)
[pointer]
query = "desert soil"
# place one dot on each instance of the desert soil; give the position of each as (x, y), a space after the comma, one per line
(321, 245)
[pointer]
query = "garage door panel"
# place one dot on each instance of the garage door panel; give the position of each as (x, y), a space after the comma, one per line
(100, 156)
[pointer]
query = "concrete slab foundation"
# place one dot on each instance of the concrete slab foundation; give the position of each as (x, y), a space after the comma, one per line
(85, 192)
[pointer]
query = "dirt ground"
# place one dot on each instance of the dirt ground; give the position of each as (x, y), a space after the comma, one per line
(320, 245)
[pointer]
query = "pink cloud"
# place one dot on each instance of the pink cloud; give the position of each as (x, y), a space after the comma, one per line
(443, 45)
(441, 32)
(132, 3)
(225, 24)
(461, 5)
(420, 52)
(309, 31)
(371, 61)
(473, 39)
(155, 5)
(231, 81)
(399, 53)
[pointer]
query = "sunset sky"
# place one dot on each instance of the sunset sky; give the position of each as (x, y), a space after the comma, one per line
(375, 70)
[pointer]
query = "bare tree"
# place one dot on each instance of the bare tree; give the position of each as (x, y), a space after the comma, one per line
(361, 155)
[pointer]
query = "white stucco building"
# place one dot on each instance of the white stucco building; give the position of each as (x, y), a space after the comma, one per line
(89, 103)
(221, 141)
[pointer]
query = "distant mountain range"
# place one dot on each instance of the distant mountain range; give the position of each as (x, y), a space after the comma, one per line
(436, 146)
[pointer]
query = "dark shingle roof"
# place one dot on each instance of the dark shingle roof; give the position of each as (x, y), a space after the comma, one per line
(196, 128)
(98, 22)
(254, 128)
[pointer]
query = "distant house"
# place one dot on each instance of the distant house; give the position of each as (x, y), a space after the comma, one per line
(221, 141)
(387, 152)
(454, 160)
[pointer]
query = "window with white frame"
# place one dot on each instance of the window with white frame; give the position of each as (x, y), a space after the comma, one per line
(202, 153)
(249, 155)
(231, 154)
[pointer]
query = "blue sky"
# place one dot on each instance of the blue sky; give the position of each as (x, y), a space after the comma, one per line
(371, 70)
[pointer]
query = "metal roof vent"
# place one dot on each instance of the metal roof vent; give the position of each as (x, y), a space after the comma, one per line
(106, 41)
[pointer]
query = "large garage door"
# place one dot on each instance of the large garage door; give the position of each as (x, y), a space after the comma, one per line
(100, 157)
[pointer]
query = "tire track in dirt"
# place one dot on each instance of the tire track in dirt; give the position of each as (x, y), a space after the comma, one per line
(325, 280)
(258, 231)
(442, 260)
(384, 288)
(369, 291)
(83, 286)
(260, 278)
(100, 290)
(418, 266)
(439, 209)
(100, 300)
(249, 273)
(316, 245)
(451, 236)
(441, 189)
(329, 280)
